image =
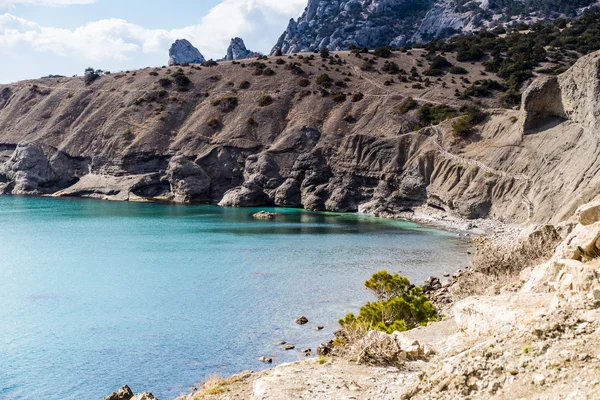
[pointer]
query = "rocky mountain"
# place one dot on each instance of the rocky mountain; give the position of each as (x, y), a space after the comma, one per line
(237, 51)
(182, 51)
(374, 23)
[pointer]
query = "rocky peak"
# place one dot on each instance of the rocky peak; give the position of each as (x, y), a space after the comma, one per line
(374, 23)
(237, 50)
(182, 51)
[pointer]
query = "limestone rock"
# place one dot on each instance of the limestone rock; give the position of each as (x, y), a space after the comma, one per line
(28, 169)
(264, 215)
(589, 213)
(182, 51)
(237, 50)
(188, 180)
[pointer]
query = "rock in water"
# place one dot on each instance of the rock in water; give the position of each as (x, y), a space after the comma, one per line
(125, 393)
(182, 51)
(302, 320)
(264, 215)
(265, 359)
(237, 50)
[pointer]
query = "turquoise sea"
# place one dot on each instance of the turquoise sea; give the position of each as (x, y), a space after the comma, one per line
(95, 294)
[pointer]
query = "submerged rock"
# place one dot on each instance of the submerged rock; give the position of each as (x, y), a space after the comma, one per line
(182, 51)
(288, 347)
(264, 215)
(265, 359)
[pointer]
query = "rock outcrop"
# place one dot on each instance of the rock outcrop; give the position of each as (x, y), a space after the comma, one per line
(374, 23)
(237, 51)
(182, 51)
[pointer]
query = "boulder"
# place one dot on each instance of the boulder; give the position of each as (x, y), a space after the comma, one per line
(125, 393)
(188, 180)
(589, 213)
(249, 195)
(301, 320)
(237, 50)
(264, 215)
(264, 359)
(182, 51)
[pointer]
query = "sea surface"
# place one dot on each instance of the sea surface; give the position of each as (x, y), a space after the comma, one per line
(95, 294)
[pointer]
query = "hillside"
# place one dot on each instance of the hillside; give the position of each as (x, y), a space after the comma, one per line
(326, 134)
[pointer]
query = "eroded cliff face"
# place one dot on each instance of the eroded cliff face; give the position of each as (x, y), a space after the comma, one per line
(125, 137)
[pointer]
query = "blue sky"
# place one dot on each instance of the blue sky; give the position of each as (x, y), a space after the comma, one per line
(41, 37)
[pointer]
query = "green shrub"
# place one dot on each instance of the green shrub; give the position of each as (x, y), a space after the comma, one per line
(440, 62)
(339, 97)
(264, 100)
(324, 80)
(356, 97)
(407, 104)
(165, 82)
(210, 63)
(90, 75)
(383, 52)
(324, 52)
(400, 306)
(244, 85)
(181, 81)
(433, 72)
(429, 114)
(456, 70)
(390, 67)
(227, 103)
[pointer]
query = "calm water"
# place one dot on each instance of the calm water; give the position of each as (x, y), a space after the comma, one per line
(96, 294)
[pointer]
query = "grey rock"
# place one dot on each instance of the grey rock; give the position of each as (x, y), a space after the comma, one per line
(182, 51)
(237, 50)
(288, 347)
(188, 180)
(302, 320)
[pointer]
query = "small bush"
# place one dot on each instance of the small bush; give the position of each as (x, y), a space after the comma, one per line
(324, 80)
(339, 97)
(90, 75)
(356, 97)
(407, 104)
(153, 73)
(304, 82)
(324, 52)
(210, 63)
(181, 81)
(214, 123)
(165, 82)
(265, 100)
(383, 52)
(458, 71)
(227, 103)
(244, 85)
(349, 118)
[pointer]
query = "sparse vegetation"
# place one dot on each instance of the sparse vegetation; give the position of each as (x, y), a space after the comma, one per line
(324, 80)
(400, 306)
(264, 100)
(210, 63)
(383, 52)
(407, 105)
(90, 75)
(226, 104)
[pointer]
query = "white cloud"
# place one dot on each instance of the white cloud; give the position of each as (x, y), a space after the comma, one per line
(259, 22)
(49, 3)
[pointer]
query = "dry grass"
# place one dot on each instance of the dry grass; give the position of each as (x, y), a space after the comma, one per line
(497, 266)
(360, 343)
(214, 385)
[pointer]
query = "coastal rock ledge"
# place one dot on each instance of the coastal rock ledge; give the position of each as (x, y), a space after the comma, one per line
(125, 393)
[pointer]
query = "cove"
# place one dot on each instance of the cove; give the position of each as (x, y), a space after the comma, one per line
(96, 294)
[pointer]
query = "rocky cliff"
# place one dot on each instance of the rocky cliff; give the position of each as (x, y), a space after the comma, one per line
(374, 23)
(182, 51)
(271, 134)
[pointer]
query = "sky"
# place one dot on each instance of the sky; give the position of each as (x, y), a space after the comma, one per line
(63, 37)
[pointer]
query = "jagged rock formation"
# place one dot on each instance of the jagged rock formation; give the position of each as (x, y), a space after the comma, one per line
(182, 51)
(124, 137)
(237, 51)
(374, 23)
